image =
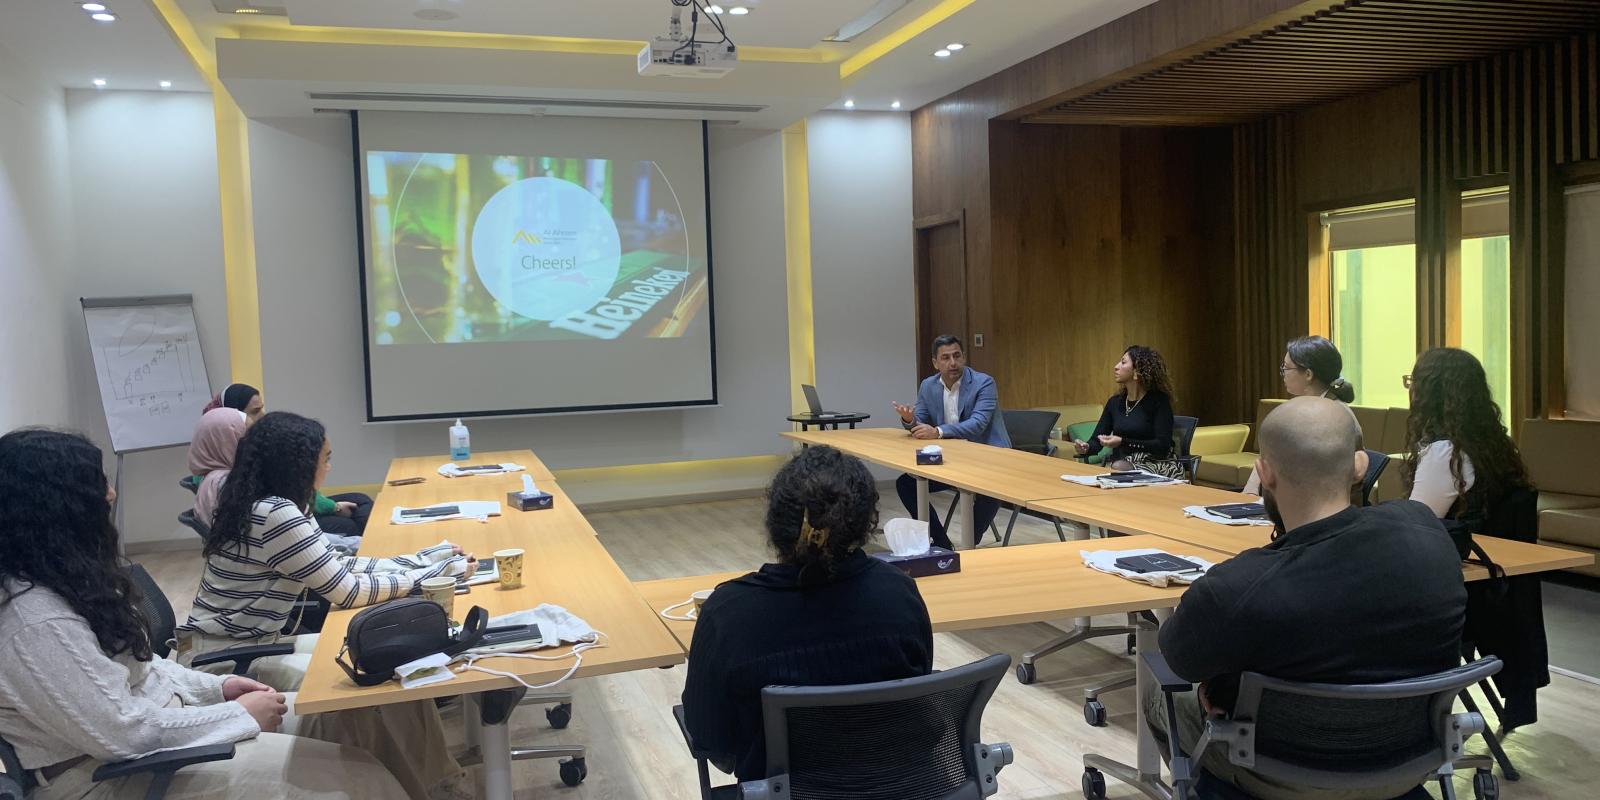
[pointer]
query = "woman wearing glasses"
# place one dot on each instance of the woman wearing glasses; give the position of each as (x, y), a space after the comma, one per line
(1312, 367)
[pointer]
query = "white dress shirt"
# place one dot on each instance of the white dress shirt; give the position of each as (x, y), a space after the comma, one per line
(952, 405)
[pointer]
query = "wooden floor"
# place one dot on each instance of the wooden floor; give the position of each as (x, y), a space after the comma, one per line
(636, 752)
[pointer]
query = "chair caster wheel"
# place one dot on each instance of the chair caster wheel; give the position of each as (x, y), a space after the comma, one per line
(559, 716)
(1094, 784)
(1133, 645)
(573, 771)
(1485, 786)
(1094, 713)
(1026, 674)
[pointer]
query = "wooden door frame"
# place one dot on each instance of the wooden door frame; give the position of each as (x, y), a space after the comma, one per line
(919, 259)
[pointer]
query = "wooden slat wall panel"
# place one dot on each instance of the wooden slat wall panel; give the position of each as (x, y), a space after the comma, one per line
(1346, 49)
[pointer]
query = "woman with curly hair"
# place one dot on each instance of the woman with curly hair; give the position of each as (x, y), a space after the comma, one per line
(1460, 457)
(79, 683)
(1137, 421)
(824, 614)
(265, 551)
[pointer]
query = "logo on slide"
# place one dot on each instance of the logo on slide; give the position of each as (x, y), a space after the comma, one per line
(546, 248)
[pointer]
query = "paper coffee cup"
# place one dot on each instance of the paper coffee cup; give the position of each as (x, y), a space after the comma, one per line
(510, 564)
(700, 598)
(442, 591)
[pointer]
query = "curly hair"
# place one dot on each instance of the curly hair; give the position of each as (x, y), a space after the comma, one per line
(276, 458)
(1450, 401)
(1150, 369)
(56, 532)
(821, 506)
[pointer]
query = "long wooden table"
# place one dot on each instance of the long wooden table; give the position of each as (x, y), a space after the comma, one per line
(564, 565)
(428, 467)
(1010, 476)
(996, 586)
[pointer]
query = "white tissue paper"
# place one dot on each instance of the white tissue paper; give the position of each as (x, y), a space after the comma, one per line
(933, 449)
(453, 470)
(424, 671)
(906, 537)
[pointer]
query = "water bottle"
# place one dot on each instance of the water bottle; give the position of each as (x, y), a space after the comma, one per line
(460, 442)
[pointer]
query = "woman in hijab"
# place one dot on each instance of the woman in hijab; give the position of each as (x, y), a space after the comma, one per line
(343, 517)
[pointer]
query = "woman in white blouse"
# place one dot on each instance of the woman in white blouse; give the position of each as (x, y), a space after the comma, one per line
(1312, 367)
(79, 683)
(1460, 457)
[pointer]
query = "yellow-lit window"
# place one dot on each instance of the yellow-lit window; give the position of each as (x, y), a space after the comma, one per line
(1372, 299)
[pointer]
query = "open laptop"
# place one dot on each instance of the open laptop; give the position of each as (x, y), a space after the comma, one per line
(814, 402)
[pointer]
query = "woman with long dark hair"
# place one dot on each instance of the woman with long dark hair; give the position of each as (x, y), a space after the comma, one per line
(825, 613)
(264, 552)
(343, 516)
(1312, 367)
(79, 683)
(1460, 458)
(1137, 421)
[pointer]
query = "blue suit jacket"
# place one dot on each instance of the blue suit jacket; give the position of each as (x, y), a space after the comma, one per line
(979, 404)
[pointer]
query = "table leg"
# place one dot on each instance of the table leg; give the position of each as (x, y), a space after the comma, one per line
(968, 529)
(922, 500)
(496, 748)
(1144, 774)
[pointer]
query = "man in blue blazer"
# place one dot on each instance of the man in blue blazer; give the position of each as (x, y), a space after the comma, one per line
(956, 403)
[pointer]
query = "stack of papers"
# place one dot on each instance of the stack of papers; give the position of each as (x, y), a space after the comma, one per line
(1200, 512)
(480, 510)
(454, 470)
(1105, 482)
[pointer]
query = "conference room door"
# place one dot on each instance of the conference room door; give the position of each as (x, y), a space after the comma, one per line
(941, 283)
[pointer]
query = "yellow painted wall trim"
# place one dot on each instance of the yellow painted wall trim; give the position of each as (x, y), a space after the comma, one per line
(391, 37)
(905, 33)
(797, 259)
(233, 194)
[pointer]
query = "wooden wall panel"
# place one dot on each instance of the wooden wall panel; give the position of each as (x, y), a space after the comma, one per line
(1357, 150)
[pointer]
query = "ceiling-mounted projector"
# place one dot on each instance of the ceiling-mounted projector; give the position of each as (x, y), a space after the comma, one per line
(677, 55)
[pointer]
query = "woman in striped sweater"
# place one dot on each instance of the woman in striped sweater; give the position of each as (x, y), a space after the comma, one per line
(266, 552)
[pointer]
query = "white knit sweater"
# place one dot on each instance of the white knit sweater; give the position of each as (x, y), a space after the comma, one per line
(61, 697)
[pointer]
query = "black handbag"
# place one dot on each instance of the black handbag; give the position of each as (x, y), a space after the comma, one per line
(400, 631)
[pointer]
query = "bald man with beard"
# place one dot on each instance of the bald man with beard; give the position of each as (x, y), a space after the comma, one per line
(1342, 594)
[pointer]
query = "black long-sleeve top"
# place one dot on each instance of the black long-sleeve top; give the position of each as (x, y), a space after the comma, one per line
(865, 622)
(1145, 429)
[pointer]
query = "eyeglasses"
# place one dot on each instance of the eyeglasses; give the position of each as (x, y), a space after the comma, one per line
(1283, 370)
(1406, 379)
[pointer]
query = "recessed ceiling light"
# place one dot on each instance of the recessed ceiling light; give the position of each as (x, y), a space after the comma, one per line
(166, 84)
(99, 82)
(895, 104)
(103, 17)
(92, 6)
(715, 9)
(954, 46)
(941, 54)
(247, 10)
(849, 104)
(738, 11)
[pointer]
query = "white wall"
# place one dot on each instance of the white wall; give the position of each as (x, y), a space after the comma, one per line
(145, 221)
(35, 250)
(308, 272)
(861, 261)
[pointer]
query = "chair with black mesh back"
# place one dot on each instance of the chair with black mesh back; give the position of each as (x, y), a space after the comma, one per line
(1376, 462)
(1182, 440)
(911, 739)
(161, 621)
(1330, 736)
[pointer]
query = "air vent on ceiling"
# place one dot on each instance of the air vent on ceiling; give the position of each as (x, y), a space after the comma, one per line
(879, 12)
(246, 8)
(560, 102)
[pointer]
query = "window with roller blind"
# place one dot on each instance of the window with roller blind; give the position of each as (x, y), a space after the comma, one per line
(1582, 287)
(1372, 271)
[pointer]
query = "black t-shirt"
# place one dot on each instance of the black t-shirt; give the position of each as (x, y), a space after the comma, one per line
(1145, 429)
(864, 623)
(1367, 595)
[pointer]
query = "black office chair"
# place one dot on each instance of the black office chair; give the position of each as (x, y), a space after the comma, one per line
(1030, 430)
(1376, 462)
(1327, 735)
(162, 622)
(912, 739)
(190, 482)
(193, 523)
(1182, 440)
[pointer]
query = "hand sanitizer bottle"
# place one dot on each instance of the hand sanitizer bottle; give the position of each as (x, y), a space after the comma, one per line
(460, 442)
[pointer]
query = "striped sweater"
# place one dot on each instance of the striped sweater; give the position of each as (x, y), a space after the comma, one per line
(249, 592)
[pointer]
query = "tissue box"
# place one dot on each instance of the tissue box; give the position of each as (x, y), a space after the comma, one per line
(929, 459)
(937, 561)
(538, 501)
